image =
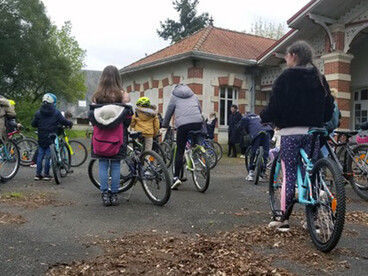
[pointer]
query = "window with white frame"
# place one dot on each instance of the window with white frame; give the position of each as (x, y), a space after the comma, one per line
(228, 97)
(360, 107)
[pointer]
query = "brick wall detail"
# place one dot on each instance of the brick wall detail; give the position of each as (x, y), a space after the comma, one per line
(195, 72)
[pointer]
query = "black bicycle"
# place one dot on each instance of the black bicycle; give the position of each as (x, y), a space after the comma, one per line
(147, 167)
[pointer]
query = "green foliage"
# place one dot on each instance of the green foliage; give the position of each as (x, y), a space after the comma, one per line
(26, 108)
(188, 23)
(268, 29)
(35, 56)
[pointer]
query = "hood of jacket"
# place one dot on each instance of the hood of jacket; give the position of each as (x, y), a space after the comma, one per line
(182, 91)
(108, 114)
(47, 109)
(145, 113)
(4, 102)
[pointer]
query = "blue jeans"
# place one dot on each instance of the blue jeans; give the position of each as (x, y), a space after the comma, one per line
(103, 172)
(43, 153)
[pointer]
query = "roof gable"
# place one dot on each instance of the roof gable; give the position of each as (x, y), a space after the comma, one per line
(213, 41)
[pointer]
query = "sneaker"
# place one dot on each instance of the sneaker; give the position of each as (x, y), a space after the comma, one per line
(282, 226)
(47, 177)
(242, 156)
(38, 177)
(106, 199)
(114, 199)
(33, 165)
(176, 183)
(250, 176)
(183, 179)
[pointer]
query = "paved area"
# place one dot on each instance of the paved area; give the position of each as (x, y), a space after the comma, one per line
(70, 217)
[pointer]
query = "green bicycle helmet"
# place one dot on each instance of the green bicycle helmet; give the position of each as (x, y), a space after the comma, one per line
(143, 101)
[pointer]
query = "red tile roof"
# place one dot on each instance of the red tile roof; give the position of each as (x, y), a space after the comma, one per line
(215, 41)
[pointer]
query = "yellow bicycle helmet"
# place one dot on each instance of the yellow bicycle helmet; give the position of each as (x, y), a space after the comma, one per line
(12, 102)
(143, 101)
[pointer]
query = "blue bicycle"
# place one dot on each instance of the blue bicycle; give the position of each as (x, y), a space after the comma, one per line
(320, 187)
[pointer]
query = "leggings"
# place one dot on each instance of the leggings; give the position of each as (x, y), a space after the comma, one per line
(290, 147)
(181, 140)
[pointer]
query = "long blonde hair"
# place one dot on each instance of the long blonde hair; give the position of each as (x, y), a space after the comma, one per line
(109, 88)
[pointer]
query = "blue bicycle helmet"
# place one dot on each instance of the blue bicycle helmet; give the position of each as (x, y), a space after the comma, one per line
(49, 98)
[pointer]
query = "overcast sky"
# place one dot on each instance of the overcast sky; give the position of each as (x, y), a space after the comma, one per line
(120, 32)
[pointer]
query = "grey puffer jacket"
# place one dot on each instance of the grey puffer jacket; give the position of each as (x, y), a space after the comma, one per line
(185, 104)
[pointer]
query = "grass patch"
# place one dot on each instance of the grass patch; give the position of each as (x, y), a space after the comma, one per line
(73, 134)
(12, 195)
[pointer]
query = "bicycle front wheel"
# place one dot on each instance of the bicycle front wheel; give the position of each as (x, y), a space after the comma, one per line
(200, 170)
(65, 160)
(167, 150)
(211, 157)
(155, 179)
(274, 190)
(358, 165)
(326, 218)
(217, 147)
(55, 164)
(157, 148)
(9, 159)
(127, 178)
(27, 148)
(259, 165)
(79, 155)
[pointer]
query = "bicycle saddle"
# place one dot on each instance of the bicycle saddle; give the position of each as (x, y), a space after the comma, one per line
(348, 133)
(135, 134)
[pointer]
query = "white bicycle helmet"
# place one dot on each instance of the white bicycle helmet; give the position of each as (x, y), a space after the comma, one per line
(49, 98)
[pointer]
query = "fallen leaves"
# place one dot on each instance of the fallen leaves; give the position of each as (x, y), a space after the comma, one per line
(6, 218)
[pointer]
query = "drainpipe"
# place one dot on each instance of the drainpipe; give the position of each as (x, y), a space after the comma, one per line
(253, 93)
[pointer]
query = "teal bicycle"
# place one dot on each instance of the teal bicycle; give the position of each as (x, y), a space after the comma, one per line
(320, 187)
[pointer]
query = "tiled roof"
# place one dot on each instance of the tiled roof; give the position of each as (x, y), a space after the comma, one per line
(214, 41)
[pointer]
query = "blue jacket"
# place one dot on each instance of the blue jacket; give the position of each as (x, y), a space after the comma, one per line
(252, 124)
(47, 120)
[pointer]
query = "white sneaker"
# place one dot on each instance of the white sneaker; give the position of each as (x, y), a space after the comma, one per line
(242, 156)
(282, 226)
(176, 183)
(250, 176)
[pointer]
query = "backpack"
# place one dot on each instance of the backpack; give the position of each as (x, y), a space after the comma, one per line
(107, 141)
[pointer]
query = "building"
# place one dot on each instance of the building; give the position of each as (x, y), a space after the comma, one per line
(224, 67)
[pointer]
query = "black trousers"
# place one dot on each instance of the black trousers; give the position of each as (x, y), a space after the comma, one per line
(181, 140)
(231, 146)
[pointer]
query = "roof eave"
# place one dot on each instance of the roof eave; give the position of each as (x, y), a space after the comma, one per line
(301, 13)
(191, 54)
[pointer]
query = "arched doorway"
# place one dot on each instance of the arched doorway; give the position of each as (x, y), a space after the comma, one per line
(359, 78)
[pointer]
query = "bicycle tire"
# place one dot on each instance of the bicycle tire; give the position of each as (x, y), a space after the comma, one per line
(200, 169)
(274, 189)
(127, 178)
(259, 164)
(65, 160)
(157, 148)
(326, 219)
(27, 148)
(80, 153)
(55, 164)
(155, 171)
(167, 150)
(216, 147)
(10, 161)
(211, 157)
(358, 169)
(247, 155)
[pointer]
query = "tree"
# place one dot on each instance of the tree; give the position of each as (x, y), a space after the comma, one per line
(268, 29)
(188, 23)
(35, 56)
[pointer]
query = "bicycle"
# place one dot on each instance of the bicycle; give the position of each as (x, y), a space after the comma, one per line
(352, 160)
(78, 151)
(27, 146)
(320, 187)
(216, 146)
(195, 161)
(9, 159)
(147, 167)
(60, 158)
(258, 161)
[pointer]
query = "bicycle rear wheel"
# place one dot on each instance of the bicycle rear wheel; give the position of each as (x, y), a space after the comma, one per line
(358, 165)
(259, 165)
(9, 159)
(167, 150)
(55, 164)
(127, 178)
(274, 190)
(65, 160)
(79, 155)
(216, 147)
(155, 179)
(326, 218)
(211, 157)
(27, 148)
(201, 170)
(157, 148)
